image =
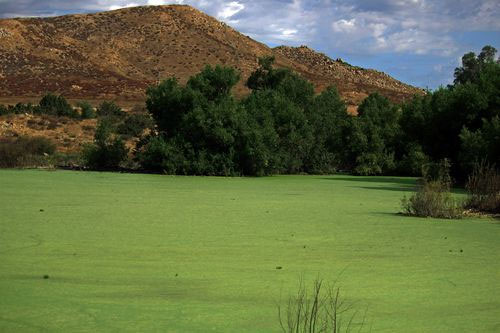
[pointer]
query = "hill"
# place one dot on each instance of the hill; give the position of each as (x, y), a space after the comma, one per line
(118, 54)
(354, 83)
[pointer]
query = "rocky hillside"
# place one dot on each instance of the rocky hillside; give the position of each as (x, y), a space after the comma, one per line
(68, 134)
(354, 83)
(117, 54)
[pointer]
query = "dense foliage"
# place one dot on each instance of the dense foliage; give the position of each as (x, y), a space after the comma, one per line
(19, 108)
(202, 129)
(134, 125)
(56, 105)
(283, 127)
(110, 110)
(373, 137)
(459, 122)
(50, 104)
(108, 151)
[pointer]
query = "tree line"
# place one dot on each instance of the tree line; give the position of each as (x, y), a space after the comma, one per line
(282, 126)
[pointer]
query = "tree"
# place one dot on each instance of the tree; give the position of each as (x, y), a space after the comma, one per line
(285, 127)
(472, 65)
(3, 110)
(260, 79)
(86, 110)
(135, 124)
(110, 110)
(373, 136)
(328, 116)
(211, 132)
(200, 121)
(108, 151)
(265, 133)
(445, 123)
(167, 103)
(56, 105)
(480, 145)
(162, 155)
(214, 83)
(282, 80)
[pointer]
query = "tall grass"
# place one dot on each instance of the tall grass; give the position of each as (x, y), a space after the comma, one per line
(25, 152)
(483, 188)
(433, 197)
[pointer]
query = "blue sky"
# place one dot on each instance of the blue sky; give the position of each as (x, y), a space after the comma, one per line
(416, 41)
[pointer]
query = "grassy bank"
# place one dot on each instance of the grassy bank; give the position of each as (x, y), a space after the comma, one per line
(184, 254)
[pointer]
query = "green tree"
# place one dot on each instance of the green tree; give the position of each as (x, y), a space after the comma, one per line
(214, 83)
(167, 103)
(480, 145)
(162, 155)
(472, 65)
(110, 110)
(3, 110)
(135, 124)
(201, 119)
(285, 127)
(327, 114)
(282, 80)
(373, 136)
(108, 150)
(262, 77)
(86, 110)
(56, 105)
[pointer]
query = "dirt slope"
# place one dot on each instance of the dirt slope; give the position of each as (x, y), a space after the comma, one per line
(354, 83)
(117, 54)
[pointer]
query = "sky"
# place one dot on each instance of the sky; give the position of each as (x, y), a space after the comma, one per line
(419, 42)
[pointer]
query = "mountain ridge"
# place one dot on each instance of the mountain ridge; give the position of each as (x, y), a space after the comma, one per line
(118, 54)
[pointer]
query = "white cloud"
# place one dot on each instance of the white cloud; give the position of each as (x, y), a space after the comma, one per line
(288, 32)
(163, 2)
(230, 10)
(345, 26)
(419, 42)
(113, 7)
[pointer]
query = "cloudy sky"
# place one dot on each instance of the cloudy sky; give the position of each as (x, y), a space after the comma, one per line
(417, 41)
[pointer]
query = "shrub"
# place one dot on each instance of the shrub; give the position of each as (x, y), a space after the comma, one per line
(110, 109)
(320, 310)
(158, 155)
(135, 124)
(432, 199)
(86, 110)
(19, 108)
(107, 151)
(25, 152)
(483, 187)
(56, 105)
(3, 110)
